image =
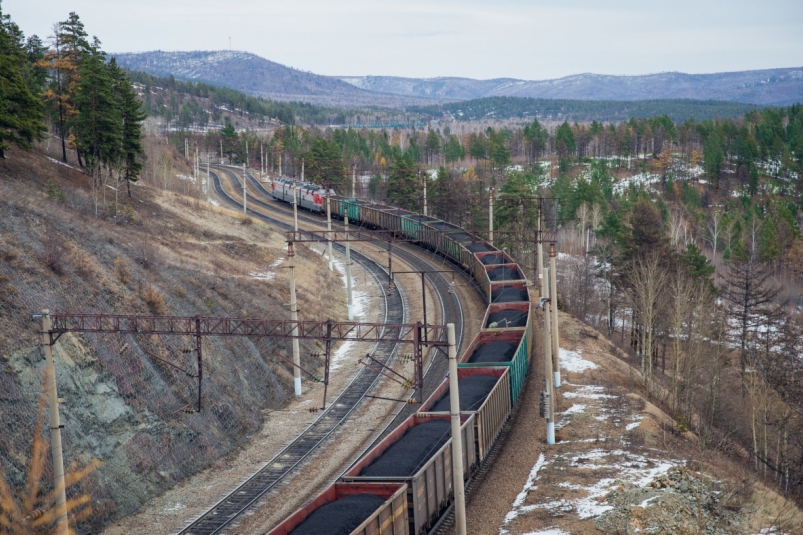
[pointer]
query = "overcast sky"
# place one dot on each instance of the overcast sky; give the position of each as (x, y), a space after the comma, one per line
(530, 39)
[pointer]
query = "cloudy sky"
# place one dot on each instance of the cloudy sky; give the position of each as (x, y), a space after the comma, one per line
(530, 39)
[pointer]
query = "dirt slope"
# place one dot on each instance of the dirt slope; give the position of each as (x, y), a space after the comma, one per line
(161, 254)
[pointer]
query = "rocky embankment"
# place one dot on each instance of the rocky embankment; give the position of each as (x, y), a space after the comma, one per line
(128, 400)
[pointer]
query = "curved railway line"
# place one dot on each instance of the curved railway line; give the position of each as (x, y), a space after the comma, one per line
(224, 512)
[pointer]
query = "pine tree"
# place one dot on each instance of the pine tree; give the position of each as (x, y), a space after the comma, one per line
(324, 164)
(69, 45)
(20, 111)
(402, 181)
(131, 116)
(98, 125)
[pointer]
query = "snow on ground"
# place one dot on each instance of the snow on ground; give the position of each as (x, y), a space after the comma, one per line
(270, 273)
(571, 361)
(360, 299)
(61, 163)
(570, 481)
(641, 179)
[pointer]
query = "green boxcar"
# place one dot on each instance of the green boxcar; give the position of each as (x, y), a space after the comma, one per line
(519, 364)
(354, 210)
(413, 225)
(436, 240)
(391, 219)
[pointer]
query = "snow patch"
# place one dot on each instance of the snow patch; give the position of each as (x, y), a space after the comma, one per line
(571, 361)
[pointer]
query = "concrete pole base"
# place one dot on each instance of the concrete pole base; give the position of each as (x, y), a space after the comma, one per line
(550, 432)
(298, 386)
(557, 379)
(331, 266)
(351, 312)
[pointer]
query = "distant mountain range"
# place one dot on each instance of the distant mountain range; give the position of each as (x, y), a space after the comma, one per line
(258, 76)
(770, 87)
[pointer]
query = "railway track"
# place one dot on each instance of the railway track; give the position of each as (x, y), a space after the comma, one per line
(450, 305)
(225, 512)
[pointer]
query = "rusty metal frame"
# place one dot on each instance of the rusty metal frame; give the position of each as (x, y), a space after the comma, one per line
(329, 331)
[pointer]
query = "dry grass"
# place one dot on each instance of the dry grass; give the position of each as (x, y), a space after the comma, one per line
(154, 299)
(121, 270)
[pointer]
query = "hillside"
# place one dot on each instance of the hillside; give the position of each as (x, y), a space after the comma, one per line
(256, 76)
(777, 87)
(128, 400)
(260, 77)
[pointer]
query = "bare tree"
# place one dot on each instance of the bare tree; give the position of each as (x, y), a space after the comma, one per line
(647, 277)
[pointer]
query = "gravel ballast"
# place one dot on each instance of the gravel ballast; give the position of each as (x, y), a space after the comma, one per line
(340, 517)
(507, 318)
(508, 294)
(504, 273)
(407, 455)
(501, 351)
(473, 391)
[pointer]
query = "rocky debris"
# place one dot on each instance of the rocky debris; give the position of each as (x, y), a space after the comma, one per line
(407, 455)
(340, 517)
(473, 391)
(680, 501)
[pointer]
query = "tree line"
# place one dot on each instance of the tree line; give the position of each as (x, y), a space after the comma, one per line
(71, 84)
(581, 110)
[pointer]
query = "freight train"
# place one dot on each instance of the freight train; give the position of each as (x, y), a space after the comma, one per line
(403, 485)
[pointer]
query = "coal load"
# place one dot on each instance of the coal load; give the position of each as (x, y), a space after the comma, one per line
(478, 248)
(500, 351)
(473, 391)
(460, 237)
(508, 294)
(504, 273)
(492, 259)
(340, 517)
(443, 226)
(408, 454)
(507, 318)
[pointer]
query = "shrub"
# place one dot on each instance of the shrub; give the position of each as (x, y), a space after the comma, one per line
(154, 299)
(121, 271)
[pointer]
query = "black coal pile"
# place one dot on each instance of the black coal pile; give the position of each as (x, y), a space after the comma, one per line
(460, 237)
(407, 455)
(421, 218)
(508, 294)
(443, 226)
(340, 517)
(500, 351)
(504, 273)
(473, 391)
(478, 248)
(492, 259)
(507, 318)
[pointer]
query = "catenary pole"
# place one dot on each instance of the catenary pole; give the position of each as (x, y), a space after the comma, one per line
(294, 316)
(491, 216)
(59, 483)
(457, 442)
(553, 281)
(295, 202)
(354, 182)
(550, 390)
(329, 228)
(245, 164)
(350, 300)
(425, 193)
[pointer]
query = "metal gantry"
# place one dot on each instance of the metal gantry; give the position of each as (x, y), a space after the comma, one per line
(326, 331)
